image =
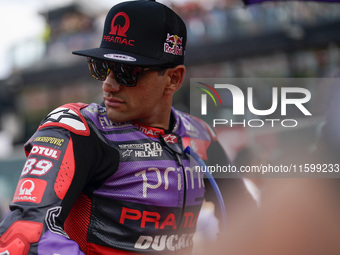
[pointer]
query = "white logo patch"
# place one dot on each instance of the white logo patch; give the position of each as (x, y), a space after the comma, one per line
(120, 57)
(67, 117)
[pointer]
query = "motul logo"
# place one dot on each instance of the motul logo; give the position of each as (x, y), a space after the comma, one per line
(45, 151)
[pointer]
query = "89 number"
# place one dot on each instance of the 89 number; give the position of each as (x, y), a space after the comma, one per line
(36, 168)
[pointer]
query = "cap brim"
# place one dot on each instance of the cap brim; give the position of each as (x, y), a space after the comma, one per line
(119, 56)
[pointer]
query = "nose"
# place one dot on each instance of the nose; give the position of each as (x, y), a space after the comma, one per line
(110, 84)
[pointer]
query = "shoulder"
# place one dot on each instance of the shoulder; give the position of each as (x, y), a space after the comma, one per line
(194, 126)
(195, 133)
(97, 116)
(69, 117)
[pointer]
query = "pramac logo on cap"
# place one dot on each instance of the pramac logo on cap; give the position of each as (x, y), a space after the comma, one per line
(118, 33)
(117, 29)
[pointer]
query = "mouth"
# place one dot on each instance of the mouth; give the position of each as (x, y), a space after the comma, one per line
(113, 102)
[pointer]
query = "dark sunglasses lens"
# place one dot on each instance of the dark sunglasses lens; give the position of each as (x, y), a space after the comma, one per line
(126, 75)
(99, 69)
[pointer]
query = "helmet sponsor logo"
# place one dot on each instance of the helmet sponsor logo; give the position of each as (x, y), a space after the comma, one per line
(143, 150)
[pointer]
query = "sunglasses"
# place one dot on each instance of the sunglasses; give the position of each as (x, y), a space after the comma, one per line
(124, 74)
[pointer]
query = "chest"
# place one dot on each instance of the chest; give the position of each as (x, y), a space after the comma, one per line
(151, 172)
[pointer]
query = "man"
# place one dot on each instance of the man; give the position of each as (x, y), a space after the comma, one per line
(114, 179)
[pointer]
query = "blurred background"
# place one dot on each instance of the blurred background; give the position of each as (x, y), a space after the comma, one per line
(288, 39)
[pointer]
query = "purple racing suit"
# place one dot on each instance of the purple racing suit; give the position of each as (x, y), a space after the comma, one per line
(92, 186)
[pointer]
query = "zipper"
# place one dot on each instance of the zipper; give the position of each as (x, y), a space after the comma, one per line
(173, 143)
(179, 161)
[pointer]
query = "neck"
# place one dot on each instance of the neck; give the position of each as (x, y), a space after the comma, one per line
(157, 130)
(160, 118)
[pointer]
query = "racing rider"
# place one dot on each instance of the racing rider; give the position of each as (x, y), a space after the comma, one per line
(114, 178)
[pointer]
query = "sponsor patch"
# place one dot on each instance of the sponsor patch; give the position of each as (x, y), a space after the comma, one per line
(149, 131)
(144, 150)
(173, 45)
(170, 138)
(127, 153)
(120, 57)
(118, 32)
(29, 190)
(50, 140)
(69, 117)
(45, 151)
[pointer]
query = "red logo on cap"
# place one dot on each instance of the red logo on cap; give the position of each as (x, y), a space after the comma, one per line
(117, 29)
(118, 32)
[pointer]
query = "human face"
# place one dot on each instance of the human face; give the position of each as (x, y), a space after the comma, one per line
(145, 103)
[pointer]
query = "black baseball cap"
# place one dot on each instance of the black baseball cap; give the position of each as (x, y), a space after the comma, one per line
(142, 33)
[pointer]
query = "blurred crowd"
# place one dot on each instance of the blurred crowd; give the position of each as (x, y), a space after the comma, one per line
(207, 21)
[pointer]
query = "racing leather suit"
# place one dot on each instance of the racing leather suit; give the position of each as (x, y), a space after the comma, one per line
(91, 186)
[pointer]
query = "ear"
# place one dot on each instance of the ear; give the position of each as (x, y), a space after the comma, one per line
(175, 79)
